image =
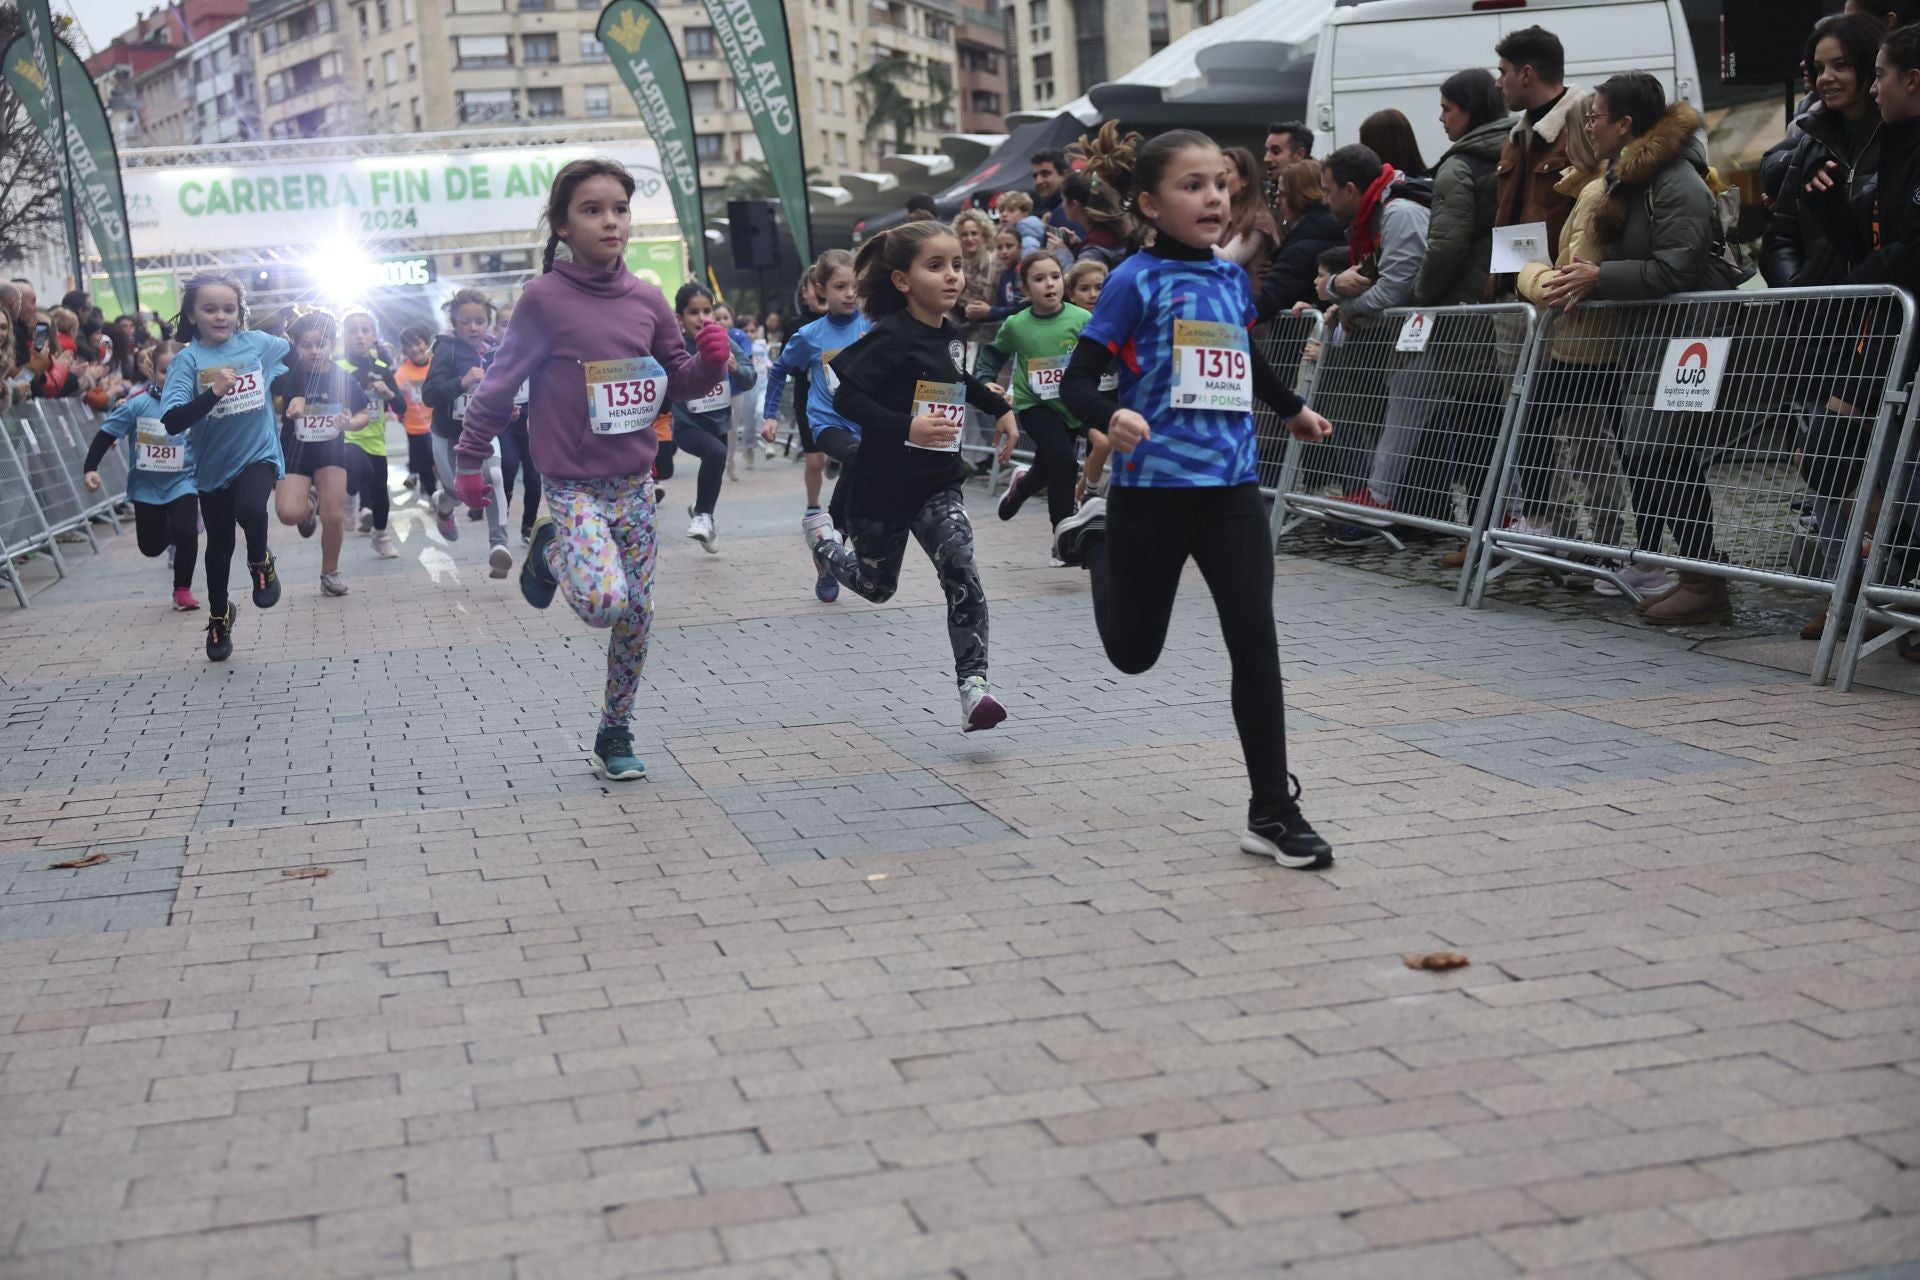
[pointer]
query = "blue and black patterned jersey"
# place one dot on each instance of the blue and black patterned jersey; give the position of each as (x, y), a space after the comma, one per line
(1134, 319)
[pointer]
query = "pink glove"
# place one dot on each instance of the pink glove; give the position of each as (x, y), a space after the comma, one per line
(473, 491)
(712, 344)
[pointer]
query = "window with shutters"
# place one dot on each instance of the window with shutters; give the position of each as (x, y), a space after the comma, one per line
(472, 52)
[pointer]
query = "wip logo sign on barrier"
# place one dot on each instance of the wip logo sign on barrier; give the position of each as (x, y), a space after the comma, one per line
(1414, 332)
(1690, 375)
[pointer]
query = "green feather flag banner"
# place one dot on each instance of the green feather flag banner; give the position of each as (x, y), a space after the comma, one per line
(642, 51)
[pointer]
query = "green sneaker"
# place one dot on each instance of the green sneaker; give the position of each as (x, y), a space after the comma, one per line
(537, 582)
(613, 756)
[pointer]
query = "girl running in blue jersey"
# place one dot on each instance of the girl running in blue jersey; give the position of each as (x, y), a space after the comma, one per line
(1183, 483)
(811, 350)
(217, 389)
(166, 509)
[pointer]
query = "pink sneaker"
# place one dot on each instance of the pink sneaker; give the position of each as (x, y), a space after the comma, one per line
(183, 601)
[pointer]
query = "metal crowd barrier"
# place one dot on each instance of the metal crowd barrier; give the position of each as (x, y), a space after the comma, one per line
(1692, 426)
(43, 447)
(1890, 584)
(1422, 404)
(1284, 341)
(1739, 435)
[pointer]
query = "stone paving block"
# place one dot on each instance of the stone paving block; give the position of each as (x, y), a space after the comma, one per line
(844, 992)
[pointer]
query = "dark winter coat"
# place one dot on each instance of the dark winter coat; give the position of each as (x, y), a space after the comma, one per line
(1460, 230)
(1290, 273)
(1801, 246)
(1659, 215)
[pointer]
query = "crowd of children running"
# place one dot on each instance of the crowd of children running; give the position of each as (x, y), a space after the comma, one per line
(590, 386)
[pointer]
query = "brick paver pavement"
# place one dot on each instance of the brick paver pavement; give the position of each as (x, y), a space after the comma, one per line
(840, 992)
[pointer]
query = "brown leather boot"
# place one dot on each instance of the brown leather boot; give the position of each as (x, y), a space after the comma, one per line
(1815, 627)
(1454, 559)
(1696, 599)
(1647, 602)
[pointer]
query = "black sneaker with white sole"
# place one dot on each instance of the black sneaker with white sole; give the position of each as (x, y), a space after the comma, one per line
(1072, 536)
(1282, 832)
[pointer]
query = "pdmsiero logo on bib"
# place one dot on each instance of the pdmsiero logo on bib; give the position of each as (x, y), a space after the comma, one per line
(1690, 375)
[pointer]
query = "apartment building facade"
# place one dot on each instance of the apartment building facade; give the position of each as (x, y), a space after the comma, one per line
(1058, 49)
(315, 68)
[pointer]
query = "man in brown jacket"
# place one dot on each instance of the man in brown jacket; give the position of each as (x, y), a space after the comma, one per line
(1532, 63)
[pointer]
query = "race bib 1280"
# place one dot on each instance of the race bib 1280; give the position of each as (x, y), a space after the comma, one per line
(1044, 376)
(1212, 368)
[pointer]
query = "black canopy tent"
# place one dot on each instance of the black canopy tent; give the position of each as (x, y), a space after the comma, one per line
(1009, 168)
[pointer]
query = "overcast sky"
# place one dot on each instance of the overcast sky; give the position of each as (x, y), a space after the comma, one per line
(102, 20)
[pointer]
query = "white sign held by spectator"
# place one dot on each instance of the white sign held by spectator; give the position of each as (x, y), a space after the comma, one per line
(1690, 375)
(1516, 246)
(1414, 332)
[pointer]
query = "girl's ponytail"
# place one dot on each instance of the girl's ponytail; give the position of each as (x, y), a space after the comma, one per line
(826, 264)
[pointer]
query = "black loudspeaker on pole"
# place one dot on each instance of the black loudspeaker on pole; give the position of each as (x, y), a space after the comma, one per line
(754, 235)
(1761, 40)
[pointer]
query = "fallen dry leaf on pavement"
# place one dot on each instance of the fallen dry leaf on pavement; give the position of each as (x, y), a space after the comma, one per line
(308, 873)
(93, 861)
(1436, 961)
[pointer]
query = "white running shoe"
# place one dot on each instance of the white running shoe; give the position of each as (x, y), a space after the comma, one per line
(499, 560)
(979, 709)
(702, 531)
(383, 545)
(332, 584)
(1645, 580)
(816, 528)
(366, 520)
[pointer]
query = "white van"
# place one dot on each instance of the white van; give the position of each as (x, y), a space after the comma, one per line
(1396, 53)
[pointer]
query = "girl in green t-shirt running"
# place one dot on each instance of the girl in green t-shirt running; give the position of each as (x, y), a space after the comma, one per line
(1039, 341)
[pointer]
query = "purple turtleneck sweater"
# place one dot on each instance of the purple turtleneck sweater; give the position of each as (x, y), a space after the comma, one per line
(570, 315)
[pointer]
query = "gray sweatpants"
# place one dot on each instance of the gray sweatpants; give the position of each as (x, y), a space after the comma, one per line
(445, 502)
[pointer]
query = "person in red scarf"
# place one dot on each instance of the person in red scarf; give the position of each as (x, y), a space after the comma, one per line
(1386, 230)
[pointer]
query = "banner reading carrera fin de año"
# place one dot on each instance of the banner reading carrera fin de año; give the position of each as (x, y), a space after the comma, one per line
(753, 36)
(642, 51)
(89, 159)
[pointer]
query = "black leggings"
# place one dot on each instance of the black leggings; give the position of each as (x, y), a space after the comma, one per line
(843, 447)
(945, 534)
(711, 449)
(1669, 492)
(1053, 460)
(516, 455)
(1136, 571)
(367, 477)
(177, 525)
(420, 462)
(244, 503)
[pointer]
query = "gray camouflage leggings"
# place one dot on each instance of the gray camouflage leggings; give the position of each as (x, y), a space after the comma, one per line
(946, 535)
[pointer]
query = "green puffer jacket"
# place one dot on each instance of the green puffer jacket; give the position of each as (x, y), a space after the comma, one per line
(1460, 233)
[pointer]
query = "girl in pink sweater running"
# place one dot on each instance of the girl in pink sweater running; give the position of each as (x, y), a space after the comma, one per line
(605, 356)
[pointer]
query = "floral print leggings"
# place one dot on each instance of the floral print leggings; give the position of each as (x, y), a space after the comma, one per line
(603, 557)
